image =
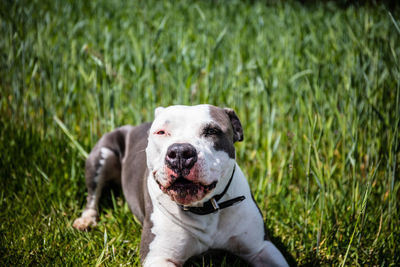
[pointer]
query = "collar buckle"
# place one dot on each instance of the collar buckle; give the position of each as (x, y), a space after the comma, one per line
(212, 206)
(214, 203)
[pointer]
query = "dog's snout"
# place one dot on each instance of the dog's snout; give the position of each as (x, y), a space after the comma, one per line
(181, 156)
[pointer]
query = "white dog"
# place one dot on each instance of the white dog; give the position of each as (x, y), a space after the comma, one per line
(181, 180)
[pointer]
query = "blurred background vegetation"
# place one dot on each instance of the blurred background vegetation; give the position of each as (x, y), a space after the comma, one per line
(315, 84)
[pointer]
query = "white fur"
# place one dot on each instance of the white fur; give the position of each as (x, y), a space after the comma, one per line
(239, 229)
(89, 215)
(104, 153)
(178, 234)
(183, 124)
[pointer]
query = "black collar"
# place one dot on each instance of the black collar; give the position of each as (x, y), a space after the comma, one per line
(212, 205)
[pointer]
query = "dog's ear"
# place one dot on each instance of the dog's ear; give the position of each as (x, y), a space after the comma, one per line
(236, 125)
(158, 110)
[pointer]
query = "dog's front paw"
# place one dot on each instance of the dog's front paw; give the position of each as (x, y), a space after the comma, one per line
(86, 221)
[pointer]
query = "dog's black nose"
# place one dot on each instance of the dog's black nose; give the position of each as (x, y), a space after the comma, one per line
(181, 157)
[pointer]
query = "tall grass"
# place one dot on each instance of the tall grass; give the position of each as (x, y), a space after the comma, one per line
(316, 88)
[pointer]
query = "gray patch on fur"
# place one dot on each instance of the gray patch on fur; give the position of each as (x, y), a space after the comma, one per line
(231, 128)
(134, 182)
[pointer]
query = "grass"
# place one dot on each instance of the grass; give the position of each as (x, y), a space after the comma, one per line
(317, 88)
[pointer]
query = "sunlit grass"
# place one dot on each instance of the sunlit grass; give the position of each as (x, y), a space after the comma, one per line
(315, 86)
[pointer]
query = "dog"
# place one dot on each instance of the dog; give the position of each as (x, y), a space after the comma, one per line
(181, 181)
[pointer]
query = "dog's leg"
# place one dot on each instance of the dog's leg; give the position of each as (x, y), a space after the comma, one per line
(171, 245)
(102, 166)
(258, 253)
(253, 245)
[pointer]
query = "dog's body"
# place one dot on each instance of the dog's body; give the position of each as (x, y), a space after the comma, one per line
(180, 178)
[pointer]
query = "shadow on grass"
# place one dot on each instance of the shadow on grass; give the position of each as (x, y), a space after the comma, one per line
(111, 192)
(224, 258)
(311, 260)
(215, 258)
(277, 241)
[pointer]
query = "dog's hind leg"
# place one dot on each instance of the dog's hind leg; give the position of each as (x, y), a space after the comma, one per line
(102, 166)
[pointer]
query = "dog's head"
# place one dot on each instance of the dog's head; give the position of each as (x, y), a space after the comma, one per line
(190, 151)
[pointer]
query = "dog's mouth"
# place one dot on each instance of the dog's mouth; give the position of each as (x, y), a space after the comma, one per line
(184, 191)
(181, 184)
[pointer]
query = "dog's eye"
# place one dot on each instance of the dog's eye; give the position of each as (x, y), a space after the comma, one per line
(160, 132)
(210, 131)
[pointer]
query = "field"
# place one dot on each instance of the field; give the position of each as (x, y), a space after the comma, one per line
(316, 86)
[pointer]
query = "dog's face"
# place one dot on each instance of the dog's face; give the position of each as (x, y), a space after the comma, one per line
(190, 151)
